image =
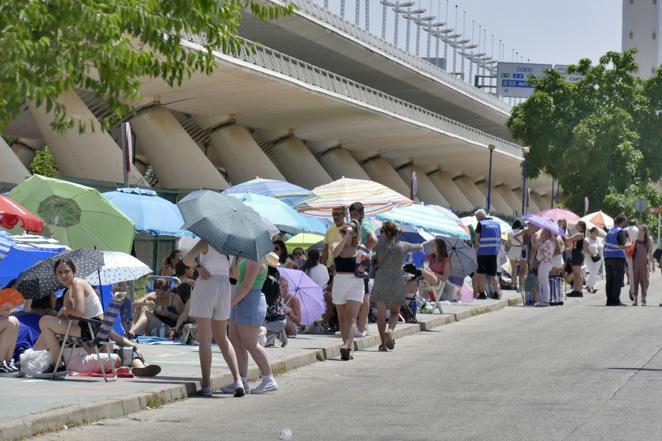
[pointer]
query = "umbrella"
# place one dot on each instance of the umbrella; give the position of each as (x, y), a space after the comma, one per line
(557, 214)
(446, 212)
(599, 219)
(11, 296)
(289, 193)
(12, 213)
(76, 215)
(308, 292)
(303, 240)
(376, 198)
(428, 219)
(226, 224)
(18, 253)
(505, 226)
(40, 281)
(412, 235)
(284, 217)
(544, 223)
(118, 267)
(462, 255)
(150, 213)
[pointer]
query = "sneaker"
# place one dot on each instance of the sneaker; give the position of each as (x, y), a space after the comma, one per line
(358, 333)
(233, 388)
(631, 295)
(482, 296)
(635, 303)
(496, 296)
(52, 372)
(12, 365)
(205, 391)
(6, 370)
(267, 385)
(643, 302)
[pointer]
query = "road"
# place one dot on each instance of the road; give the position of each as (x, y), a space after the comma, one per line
(577, 372)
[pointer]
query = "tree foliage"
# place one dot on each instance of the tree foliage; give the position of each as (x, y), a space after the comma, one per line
(110, 47)
(599, 137)
(44, 164)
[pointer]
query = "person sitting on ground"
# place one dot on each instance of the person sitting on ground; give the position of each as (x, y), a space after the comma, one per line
(158, 308)
(79, 300)
(315, 270)
(275, 318)
(291, 307)
(169, 263)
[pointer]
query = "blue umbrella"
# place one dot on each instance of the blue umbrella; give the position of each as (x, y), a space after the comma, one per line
(18, 253)
(289, 193)
(151, 213)
(284, 217)
(226, 224)
(412, 235)
(425, 218)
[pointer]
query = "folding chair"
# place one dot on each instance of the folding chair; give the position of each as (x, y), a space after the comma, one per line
(101, 338)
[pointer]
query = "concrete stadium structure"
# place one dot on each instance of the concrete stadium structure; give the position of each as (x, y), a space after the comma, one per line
(317, 100)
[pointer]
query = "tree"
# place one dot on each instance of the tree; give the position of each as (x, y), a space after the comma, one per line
(44, 164)
(597, 137)
(109, 47)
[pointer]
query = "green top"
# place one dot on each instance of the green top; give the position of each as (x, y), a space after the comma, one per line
(259, 280)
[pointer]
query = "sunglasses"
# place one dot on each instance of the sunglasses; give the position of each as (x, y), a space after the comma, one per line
(337, 214)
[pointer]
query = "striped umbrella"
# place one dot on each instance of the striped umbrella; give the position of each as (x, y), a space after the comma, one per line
(557, 214)
(375, 197)
(289, 193)
(599, 219)
(426, 218)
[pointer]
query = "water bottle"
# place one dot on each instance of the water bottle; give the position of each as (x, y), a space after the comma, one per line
(163, 331)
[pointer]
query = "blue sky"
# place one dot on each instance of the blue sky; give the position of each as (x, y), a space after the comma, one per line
(544, 31)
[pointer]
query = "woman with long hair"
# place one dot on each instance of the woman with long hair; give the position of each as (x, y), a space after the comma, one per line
(516, 255)
(545, 256)
(281, 250)
(210, 305)
(437, 267)
(348, 289)
(643, 264)
(315, 270)
(577, 244)
(389, 287)
(170, 262)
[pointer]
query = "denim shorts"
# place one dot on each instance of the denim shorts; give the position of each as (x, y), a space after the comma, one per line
(251, 310)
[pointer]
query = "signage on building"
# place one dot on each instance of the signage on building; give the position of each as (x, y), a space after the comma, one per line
(513, 78)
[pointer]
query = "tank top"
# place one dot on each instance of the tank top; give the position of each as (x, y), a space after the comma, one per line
(259, 280)
(92, 305)
(345, 264)
(216, 263)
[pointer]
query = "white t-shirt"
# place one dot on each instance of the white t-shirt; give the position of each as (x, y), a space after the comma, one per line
(320, 275)
(633, 232)
(216, 263)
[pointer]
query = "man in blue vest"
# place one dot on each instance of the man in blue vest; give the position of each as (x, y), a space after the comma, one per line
(614, 253)
(487, 244)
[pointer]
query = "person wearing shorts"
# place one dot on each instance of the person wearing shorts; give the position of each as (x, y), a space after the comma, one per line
(210, 305)
(488, 242)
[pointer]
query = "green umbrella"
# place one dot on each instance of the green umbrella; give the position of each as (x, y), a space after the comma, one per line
(76, 215)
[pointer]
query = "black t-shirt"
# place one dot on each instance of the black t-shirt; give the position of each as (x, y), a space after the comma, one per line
(479, 227)
(622, 237)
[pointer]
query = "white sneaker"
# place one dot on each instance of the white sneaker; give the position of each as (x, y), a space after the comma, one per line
(265, 386)
(205, 391)
(233, 388)
(360, 334)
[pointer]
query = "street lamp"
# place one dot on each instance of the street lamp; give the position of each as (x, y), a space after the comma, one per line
(489, 178)
(456, 44)
(399, 8)
(412, 16)
(525, 153)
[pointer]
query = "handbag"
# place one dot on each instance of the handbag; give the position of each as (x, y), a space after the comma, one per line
(631, 249)
(596, 258)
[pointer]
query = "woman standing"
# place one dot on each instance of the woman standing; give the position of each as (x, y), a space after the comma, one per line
(80, 300)
(210, 305)
(643, 264)
(544, 256)
(516, 255)
(594, 248)
(249, 309)
(348, 289)
(389, 287)
(577, 244)
(281, 251)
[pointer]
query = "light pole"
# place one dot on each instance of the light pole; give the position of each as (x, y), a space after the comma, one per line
(525, 153)
(489, 178)
(398, 7)
(410, 16)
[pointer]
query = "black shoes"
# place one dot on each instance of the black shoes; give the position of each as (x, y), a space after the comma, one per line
(60, 372)
(482, 296)
(575, 293)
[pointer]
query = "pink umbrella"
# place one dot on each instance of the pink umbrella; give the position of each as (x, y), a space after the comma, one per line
(559, 213)
(308, 292)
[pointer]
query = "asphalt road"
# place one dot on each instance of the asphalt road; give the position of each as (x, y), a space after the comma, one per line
(576, 372)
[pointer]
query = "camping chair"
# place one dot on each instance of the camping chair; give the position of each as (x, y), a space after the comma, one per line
(102, 337)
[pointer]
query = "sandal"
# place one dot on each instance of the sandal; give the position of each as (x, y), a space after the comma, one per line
(345, 354)
(382, 348)
(388, 340)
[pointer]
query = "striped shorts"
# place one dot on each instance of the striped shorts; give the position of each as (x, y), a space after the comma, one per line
(211, 298)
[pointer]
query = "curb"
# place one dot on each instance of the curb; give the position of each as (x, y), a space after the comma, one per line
(76, 415)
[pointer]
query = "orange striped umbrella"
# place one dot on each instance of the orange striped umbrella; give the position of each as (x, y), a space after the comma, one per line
(600, 219)
(375, 197)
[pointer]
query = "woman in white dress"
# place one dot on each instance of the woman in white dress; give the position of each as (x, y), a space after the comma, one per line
(515, 256)
(594, 259)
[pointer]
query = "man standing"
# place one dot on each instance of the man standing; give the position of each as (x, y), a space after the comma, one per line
(633, 233)
(368, 239)
(614, 253)
(333, 235)
(488, 244)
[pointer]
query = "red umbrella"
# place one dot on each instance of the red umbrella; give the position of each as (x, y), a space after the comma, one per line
(557, 214)
(12, 213)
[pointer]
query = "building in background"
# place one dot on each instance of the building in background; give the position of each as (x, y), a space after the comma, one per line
(641, 30)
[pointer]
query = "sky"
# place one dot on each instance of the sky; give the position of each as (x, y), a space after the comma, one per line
(542, 31)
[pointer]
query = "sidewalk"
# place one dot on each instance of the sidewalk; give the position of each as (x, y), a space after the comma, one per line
(35, 406)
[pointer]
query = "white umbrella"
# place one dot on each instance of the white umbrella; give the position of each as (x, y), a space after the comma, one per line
(119, 267)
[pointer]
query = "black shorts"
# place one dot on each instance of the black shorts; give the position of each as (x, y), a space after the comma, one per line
(85, 328)
(487, 264)
(577, 257)
(167, 320)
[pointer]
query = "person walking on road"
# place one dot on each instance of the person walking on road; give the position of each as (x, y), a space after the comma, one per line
(488, 241)
(643, 264)
(594, 250)
(633, 233)
(389, 287)
(210, 305)
(614, 252)
(368, 239)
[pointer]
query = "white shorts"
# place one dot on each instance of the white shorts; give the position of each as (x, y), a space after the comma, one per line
(210, 298)
(347, 287)
(515, 253)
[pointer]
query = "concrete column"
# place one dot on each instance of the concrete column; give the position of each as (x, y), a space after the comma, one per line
(88, 155)
(498, 204)
(427, 192)
(533, 206)
(540, 202)
(507, 194)
(24, 152)
(234, 148)
(471, 191)
(339, 162)
(298, 164)
(177, 160)
(380, 170)
(449, 189)
(12, 169)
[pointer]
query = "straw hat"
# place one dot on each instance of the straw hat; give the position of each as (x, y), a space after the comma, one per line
(272, 260)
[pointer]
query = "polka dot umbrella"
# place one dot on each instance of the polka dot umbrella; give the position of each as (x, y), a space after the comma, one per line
(118, 267)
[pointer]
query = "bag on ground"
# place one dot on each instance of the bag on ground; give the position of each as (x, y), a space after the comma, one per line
(34, 363)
